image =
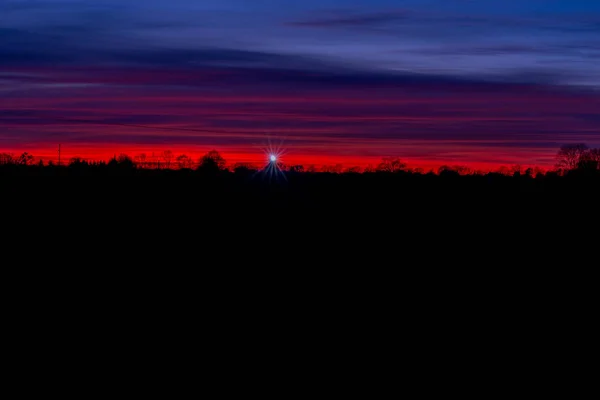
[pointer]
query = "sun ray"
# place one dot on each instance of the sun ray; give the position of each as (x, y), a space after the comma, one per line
(274, 152)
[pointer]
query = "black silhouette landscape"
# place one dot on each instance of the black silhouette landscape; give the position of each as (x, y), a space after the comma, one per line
(284, 195)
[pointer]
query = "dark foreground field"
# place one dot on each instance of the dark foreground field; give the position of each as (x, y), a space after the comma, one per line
(227, 253)
(167, 205)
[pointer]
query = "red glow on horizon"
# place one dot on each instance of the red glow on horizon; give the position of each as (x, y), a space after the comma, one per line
(258, 158)
(97, 113)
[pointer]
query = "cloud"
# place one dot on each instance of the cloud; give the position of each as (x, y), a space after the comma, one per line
(213, 56)
(440, 42)
(431, 23)
(371, 19)
(284, 77)
(568, 49)
(430, 118)
(73, 63)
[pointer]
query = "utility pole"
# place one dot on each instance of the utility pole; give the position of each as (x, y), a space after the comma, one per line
(59, 154)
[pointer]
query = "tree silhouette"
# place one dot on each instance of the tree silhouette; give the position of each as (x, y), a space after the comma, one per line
(183, 161)
(25, 159)
(447, 171)
(391, 164)
(462, 170)
(569, 155)
(243, 168)
(212, 162)
(122, 161)
(140, 160)
(6, 158)
(153, 161)
(589, 161)
(369, 169)
(332, 169)
(168, 157)
(77, 162)
(296, 168)
(353, 170)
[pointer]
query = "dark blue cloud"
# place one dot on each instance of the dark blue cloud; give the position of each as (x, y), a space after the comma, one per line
(442, 37)
(354, 20)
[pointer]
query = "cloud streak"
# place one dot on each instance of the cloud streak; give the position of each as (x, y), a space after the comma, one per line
(323, 114)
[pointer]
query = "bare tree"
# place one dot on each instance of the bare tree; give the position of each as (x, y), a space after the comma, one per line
(589, 160)
(592, 155)
(25, 159)
(183, 161)
(332, 169)
(6, 158)
(168, 157)
(140, 160)
(569, 155)
(391, 164)
(153, 161)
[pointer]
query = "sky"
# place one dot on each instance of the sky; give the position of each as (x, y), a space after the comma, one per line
(456, 82)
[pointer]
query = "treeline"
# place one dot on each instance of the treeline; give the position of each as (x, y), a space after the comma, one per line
(569, 158)
(210, 216)
(234, 200)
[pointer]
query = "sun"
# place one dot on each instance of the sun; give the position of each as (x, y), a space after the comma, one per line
(274, 153)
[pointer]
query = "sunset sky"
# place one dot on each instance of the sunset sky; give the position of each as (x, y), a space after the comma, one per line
(461, 82)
